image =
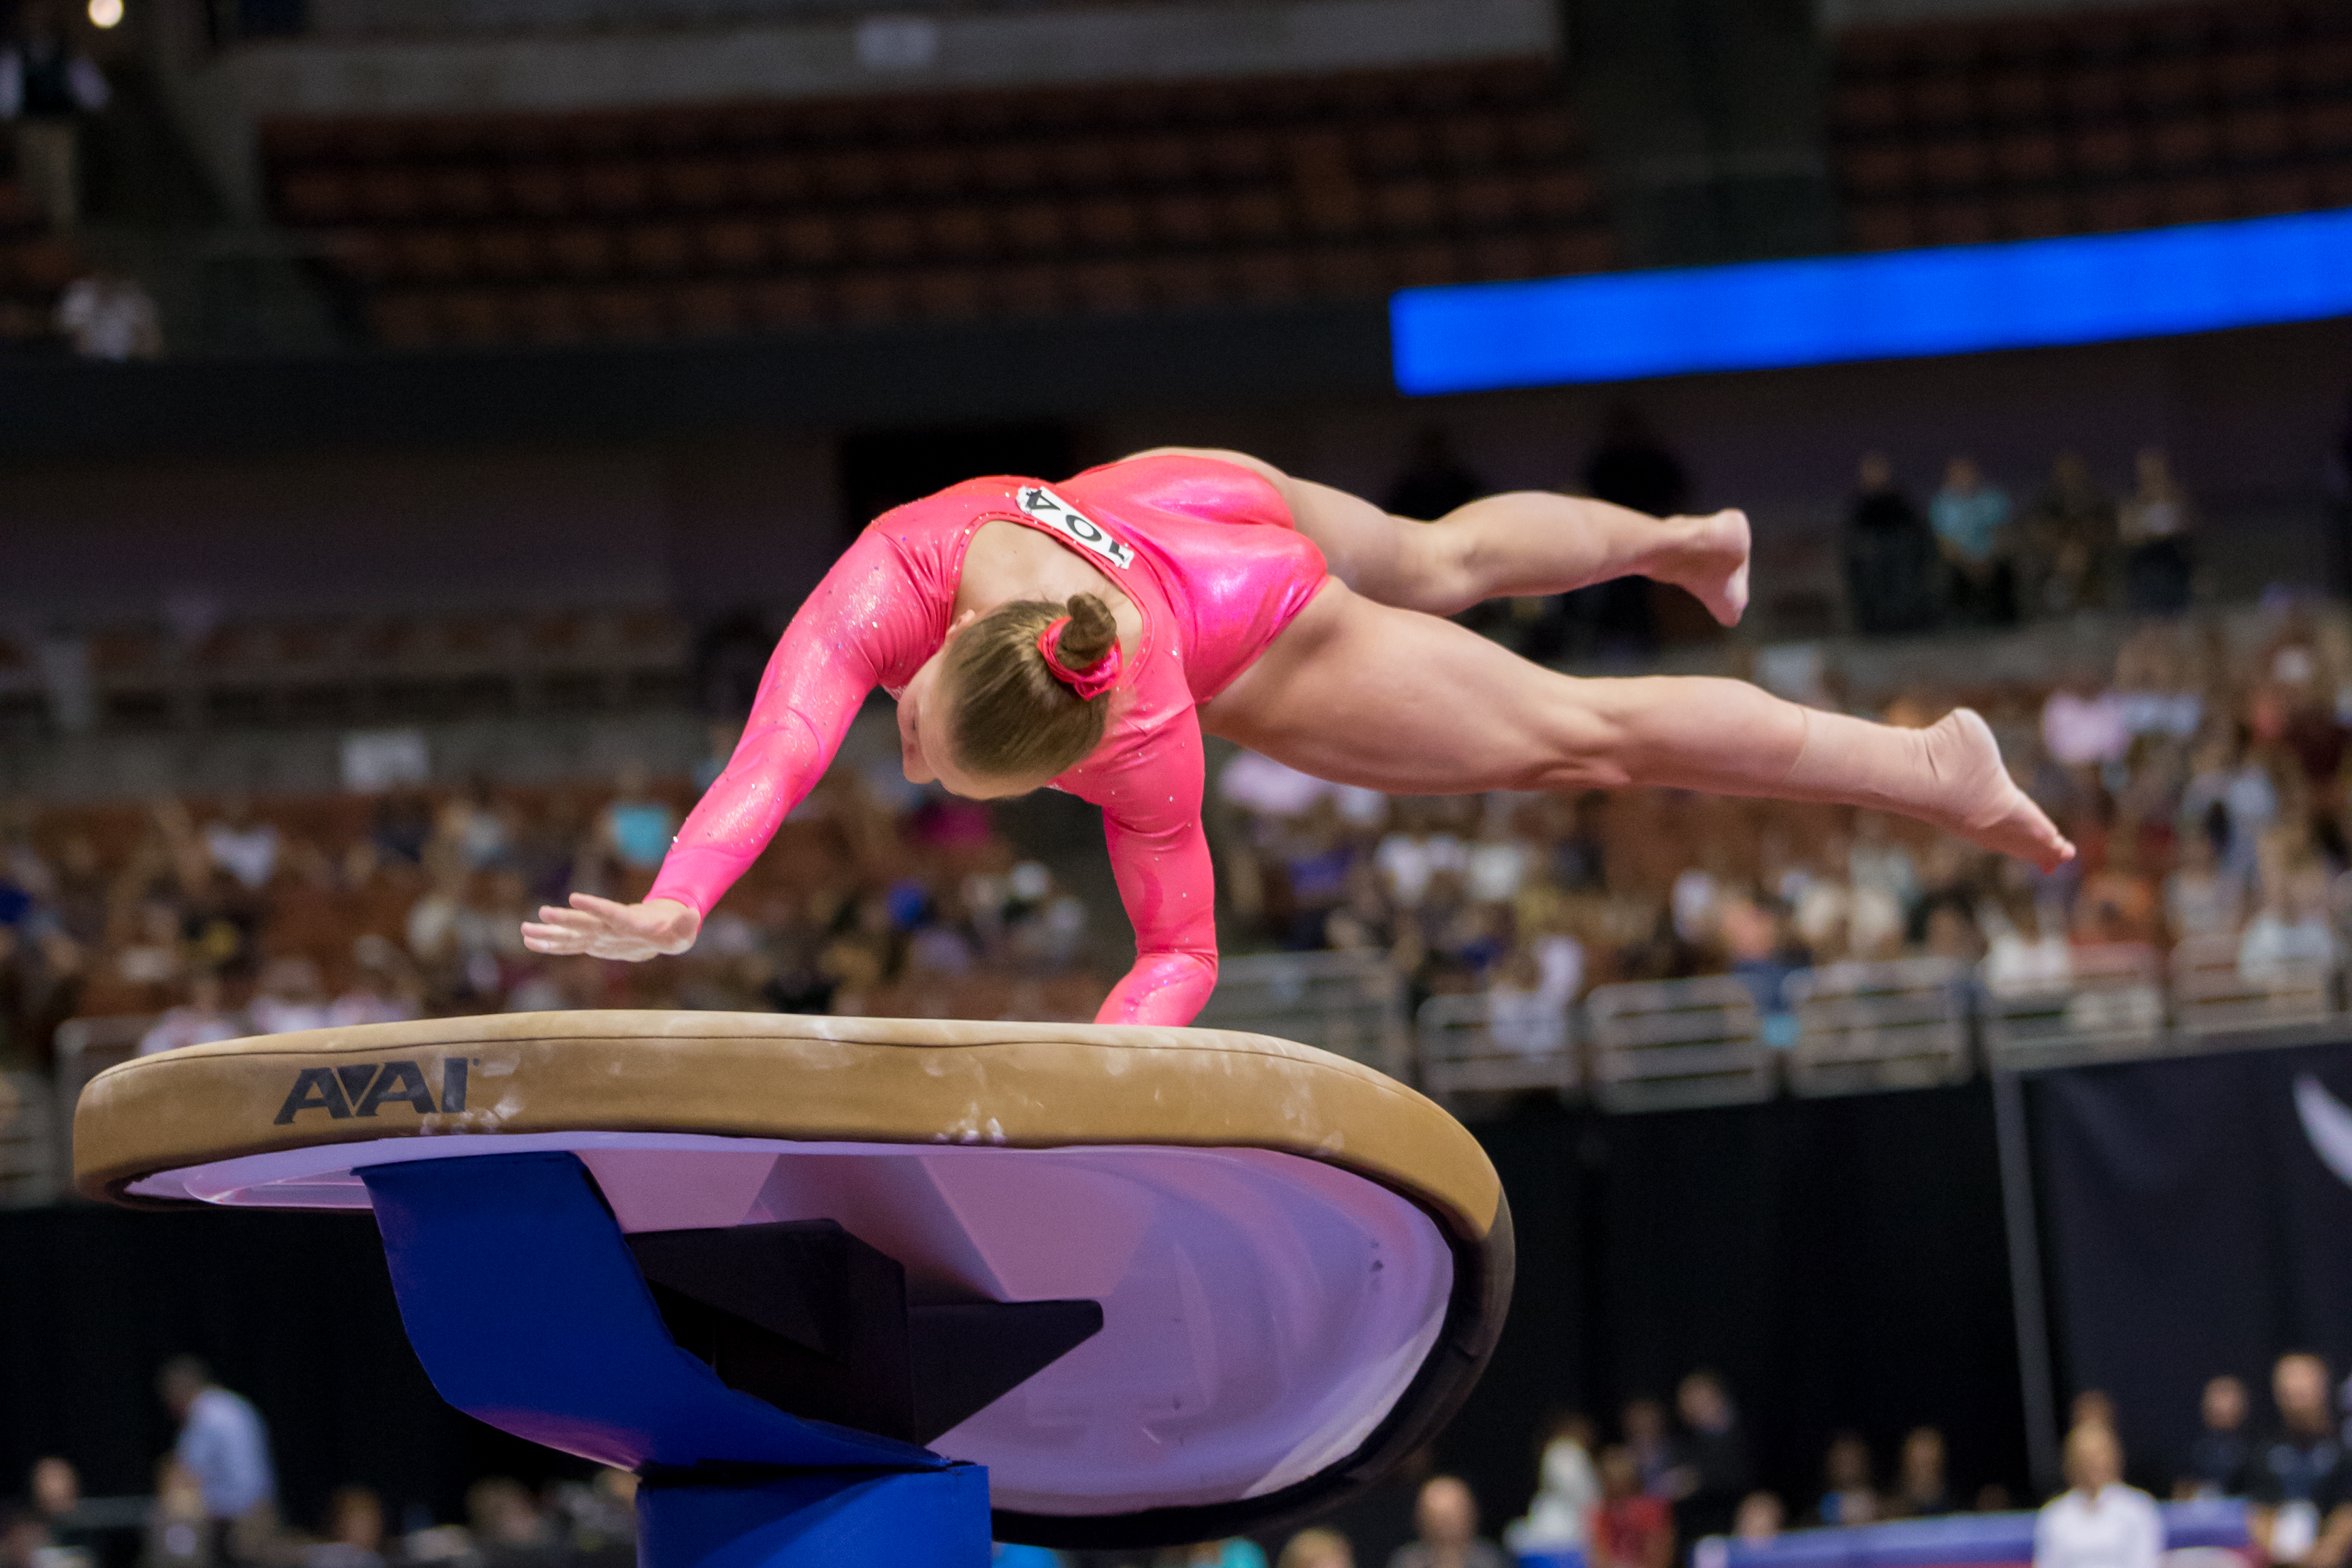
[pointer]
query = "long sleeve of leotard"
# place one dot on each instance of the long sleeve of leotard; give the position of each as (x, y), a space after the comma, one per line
(869, 623)
(1150, 797)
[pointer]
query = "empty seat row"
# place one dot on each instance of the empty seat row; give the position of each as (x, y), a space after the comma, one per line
(2089, 35)
(956, 116)
(405, 318)
(627, 186)
(2127, 204)
(2031, 94)
(962, 232)
(2246, 139)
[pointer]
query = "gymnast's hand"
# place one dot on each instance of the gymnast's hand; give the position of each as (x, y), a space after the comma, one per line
(603, 929)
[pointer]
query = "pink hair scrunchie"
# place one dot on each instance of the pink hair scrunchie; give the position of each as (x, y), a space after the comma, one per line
(1088, 683)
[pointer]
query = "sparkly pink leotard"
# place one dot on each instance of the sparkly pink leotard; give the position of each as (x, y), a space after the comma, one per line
(1207, 553)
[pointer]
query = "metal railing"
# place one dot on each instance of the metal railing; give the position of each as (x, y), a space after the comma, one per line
(1351, 1003)
(30, 1166)
(1669, 1044)
(1496, 1041)
(1862, 1028)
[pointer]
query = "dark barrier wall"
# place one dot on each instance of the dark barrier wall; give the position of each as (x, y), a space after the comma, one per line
(293, 1310)
(2198, 1227)
(1841, 1262)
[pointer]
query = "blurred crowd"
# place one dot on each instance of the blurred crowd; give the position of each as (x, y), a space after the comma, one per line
(2202, 780)
(1669, 1484)
(1973, 556)
(226, 919)
(1968, 555)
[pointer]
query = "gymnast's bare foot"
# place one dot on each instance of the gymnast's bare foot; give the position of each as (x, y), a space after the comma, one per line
(1710, 563)
(1979, 800)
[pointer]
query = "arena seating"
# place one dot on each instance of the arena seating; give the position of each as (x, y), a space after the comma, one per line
(363, 669)
(707, 220)
(2029, 127)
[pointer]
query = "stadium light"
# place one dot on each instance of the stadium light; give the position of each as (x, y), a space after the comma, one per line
(1831, 309)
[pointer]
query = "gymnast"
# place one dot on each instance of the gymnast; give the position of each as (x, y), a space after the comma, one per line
(1084, 635)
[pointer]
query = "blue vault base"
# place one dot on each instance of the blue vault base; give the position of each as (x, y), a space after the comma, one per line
(847, 1519)
(523, 1301)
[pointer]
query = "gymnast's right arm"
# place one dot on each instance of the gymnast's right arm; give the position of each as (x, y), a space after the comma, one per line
(867, 624)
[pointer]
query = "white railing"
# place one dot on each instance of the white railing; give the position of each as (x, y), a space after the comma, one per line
(2110, 1004)
(1351, 1003)
(1666, 1044)
(30, 1166)
(1865, 1027)
(1496, 1042)
(2219, 986)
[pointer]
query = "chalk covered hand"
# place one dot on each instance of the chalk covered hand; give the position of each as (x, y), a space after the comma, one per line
(603, 929)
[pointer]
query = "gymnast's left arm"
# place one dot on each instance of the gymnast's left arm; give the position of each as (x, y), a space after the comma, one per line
(1160, 853)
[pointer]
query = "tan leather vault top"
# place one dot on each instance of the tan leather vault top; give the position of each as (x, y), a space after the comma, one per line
(760, 1075)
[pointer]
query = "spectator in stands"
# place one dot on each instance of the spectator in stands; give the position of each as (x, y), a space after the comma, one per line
(1567, 1489)
(1890, 555)
(2117, 900)
(292, 996)
(1651, 1440)
(46, 86)
(1445, 1526)
(2091, 1407)
(354, 1537)
(224, 1444)
(2201, 896)
(2069, 536)
(384, 988)
(1002, 1555)
(178, 1532)
(2224, 773)
(509, 1531)
(1317, 1549)
(2218, 1458)
(1632, 468)
(1715, 1455)
(2300, 1478)
(403, 825)
(1849, 1498)
(1630, 1528)
(197, 1021)
(1760, 1519)
(241, 844)
(2098, 1522)
(2084, 725)
(478, 830)
(2291, 936)
(636, 827)
(1921, 1487)
(1972, 518)
(109, 315)
(153, 953)
(24, 1540)
(1435, 481)
(1231, 1554)
(2156, 526)
(1761, 943)
(55, 1489)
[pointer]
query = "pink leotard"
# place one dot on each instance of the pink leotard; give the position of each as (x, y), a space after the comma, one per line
(1206, 552)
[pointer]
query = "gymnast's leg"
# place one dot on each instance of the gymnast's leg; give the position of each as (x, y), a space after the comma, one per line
(1361, 693)
(1525, 541)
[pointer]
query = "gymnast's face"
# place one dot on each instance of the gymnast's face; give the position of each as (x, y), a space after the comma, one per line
(926, 716)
